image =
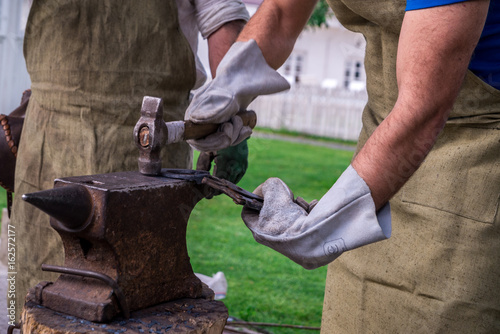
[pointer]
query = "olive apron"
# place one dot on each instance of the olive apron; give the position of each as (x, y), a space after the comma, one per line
(91, 63)
(440, 270)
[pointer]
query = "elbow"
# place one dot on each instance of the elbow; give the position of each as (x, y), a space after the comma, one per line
(426, 110)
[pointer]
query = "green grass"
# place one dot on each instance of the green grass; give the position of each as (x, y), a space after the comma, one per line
(3, 201)
(296, 134)
(264, 286)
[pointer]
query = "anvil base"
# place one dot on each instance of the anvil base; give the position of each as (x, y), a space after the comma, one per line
(191, 316)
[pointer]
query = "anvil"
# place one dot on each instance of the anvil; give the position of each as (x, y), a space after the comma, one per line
(124, 237)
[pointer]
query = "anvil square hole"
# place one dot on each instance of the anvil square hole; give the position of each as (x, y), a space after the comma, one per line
(86, 246)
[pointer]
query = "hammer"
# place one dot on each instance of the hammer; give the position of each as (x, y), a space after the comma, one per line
(151, 132)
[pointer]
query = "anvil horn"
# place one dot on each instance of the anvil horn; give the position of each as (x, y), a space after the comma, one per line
(71, 205)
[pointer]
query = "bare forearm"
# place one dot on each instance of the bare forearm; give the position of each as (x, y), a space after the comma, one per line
(433, 55)
(394, 152)
(221, 40)
(276, 26)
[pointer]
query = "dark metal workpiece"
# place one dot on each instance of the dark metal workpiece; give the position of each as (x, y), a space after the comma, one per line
(93, 274)
(243, 197)
(185, 174)
(238, 195)
(136, 235)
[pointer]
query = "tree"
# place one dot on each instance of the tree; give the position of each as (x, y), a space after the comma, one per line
(320, 15)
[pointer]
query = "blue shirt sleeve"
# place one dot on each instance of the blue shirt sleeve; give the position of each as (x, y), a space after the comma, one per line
(420, 4)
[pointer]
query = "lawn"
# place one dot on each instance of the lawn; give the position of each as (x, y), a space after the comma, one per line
(264, 286)
(3, 200)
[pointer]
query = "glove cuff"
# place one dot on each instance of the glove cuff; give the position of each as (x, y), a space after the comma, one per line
(344, 219)
(244, 60)
(347, 220)
(355, 191)
(242, 75)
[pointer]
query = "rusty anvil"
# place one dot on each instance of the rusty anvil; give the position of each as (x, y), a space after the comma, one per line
(124, 234)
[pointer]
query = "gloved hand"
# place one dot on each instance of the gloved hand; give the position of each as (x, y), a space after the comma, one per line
(230, 133)
(230, 163)
(241, 76)
(343, 219)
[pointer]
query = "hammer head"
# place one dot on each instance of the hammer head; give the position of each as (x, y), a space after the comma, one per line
(149, 133)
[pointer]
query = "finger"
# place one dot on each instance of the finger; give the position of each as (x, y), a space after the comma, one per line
(244, 133)
(276, 188)
(215, 105)
(193, 105)
(214, 142)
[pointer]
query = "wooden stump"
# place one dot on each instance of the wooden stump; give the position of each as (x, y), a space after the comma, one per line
(191, 316)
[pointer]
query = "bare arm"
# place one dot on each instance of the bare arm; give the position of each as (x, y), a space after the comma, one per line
(221, 40)
(435, 47)
(276, 26)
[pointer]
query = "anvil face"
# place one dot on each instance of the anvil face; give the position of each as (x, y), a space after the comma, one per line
(134, 231)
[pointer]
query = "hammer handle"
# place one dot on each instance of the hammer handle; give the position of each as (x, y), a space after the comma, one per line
(197, 131)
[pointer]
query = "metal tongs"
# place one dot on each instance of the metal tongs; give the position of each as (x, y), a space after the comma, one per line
(239, 195)
(244, 197)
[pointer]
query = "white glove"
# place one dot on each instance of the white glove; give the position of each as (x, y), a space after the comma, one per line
(343, 219)
(241, 76)
(230, 133)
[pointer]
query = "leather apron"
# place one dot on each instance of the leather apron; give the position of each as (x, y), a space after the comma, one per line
(440, 270)
(91, 63)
